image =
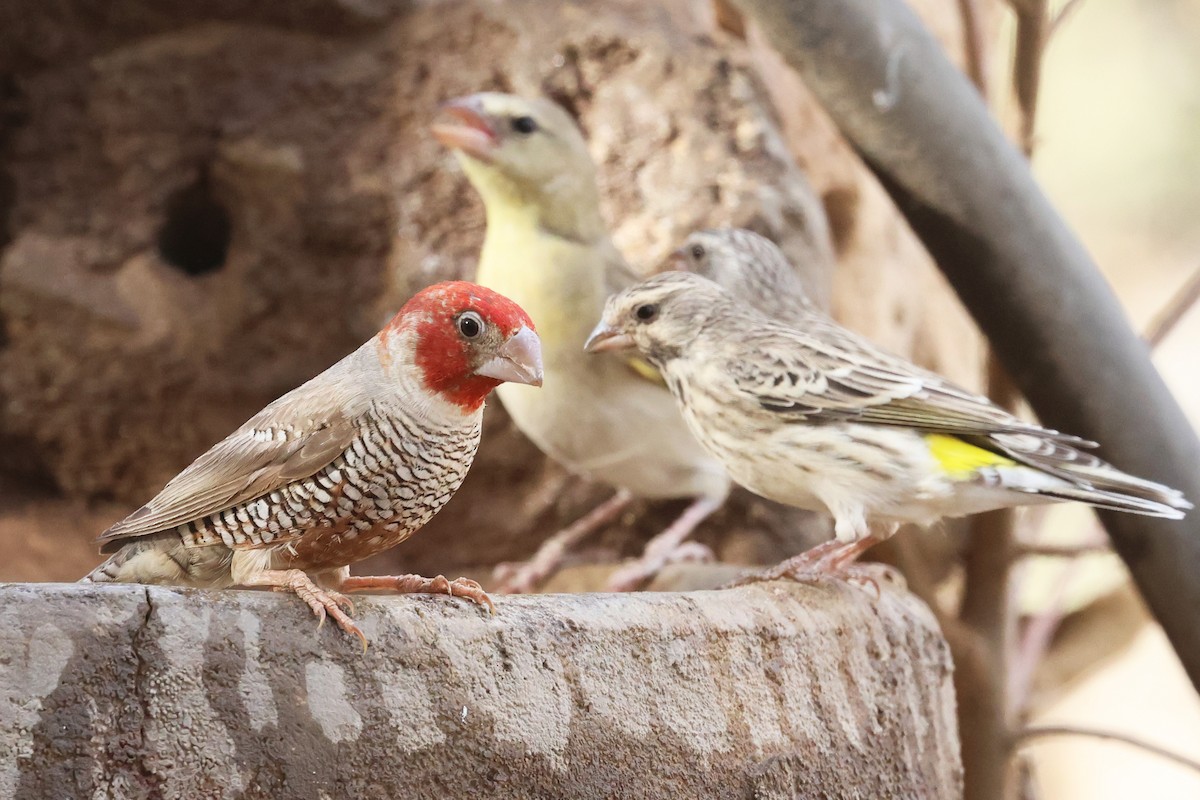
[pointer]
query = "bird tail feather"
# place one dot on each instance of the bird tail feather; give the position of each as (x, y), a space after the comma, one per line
(151, 559)
(1064, 472)
(107, 572)
(1169, 507)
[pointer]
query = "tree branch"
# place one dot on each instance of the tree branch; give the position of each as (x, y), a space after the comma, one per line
(1174, 311)
(973, 47)
(1064, 13)
(1052, 319)
(1028, 735)
(1061, 550)
(1027, 66)
(986, 607)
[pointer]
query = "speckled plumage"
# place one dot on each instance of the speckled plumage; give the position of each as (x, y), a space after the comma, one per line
(346, 466)
(390, 480)
(810, 414)
(750, 267)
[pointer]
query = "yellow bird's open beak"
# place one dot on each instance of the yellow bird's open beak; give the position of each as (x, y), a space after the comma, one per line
(463, 125)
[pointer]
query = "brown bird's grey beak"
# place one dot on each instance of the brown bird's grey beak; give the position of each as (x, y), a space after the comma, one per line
(606, 338)
(519, 360)
(461, 124)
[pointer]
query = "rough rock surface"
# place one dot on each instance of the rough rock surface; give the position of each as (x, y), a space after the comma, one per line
(768, 691)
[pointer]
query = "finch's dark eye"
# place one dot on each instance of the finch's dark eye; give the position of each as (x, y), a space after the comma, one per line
(697, 251)
(524, 125)
(646, 313)
(470, 325)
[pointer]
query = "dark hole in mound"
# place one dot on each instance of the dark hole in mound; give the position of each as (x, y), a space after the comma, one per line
(195, 235)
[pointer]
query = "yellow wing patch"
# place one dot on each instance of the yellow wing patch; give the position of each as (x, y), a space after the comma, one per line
(959, 459)
(644, 369)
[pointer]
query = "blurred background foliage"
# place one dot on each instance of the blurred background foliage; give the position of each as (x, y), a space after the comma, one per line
(1118, 152)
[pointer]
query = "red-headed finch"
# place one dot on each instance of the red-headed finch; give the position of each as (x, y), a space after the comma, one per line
(345, 466)
(547, 247)
(812, 415)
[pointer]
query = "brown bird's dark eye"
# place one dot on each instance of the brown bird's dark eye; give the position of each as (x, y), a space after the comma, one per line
(470, 325)
(697, 251)
(646, 313)
(525, 125)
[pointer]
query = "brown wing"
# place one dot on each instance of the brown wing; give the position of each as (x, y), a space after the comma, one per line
(832, 374)
(292, 438)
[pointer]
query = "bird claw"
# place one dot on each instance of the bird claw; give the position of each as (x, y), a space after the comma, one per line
(875, 575)
(342, 600)
(323, 602)
(470, 589)
(416, 584)
(830, 561)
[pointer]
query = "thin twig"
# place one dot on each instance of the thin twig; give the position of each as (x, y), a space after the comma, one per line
(985, 603)
(1027, 65)
(1064, 13)
(973, 46)
(1031, 550)
(987, 611)
(1033, 732)
(1021, 6)
(1035, 642)
(1173, 312)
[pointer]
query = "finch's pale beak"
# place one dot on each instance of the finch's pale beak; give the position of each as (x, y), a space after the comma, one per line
(519, 360)
(605, 338)
(461, 124)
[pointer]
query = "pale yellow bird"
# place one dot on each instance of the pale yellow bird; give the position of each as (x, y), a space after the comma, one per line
(548, 248)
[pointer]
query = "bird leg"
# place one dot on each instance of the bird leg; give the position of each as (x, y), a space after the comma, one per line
(322, 601)
(524, 577)
(667, 547)
(832, 559)
(416, 584)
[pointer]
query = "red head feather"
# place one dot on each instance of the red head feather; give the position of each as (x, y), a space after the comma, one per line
(446, 358)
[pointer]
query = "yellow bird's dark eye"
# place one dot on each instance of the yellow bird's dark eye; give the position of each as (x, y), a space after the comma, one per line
(697, 251)
(524, 125)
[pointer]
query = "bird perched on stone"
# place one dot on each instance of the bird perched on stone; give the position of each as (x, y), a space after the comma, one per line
(812, 415)
(547, 246)
(348, 465)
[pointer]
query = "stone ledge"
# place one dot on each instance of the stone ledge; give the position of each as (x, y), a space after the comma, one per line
(771, 690)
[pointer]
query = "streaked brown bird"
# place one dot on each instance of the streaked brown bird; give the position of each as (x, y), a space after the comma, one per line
(812, 415)
(347, 465)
